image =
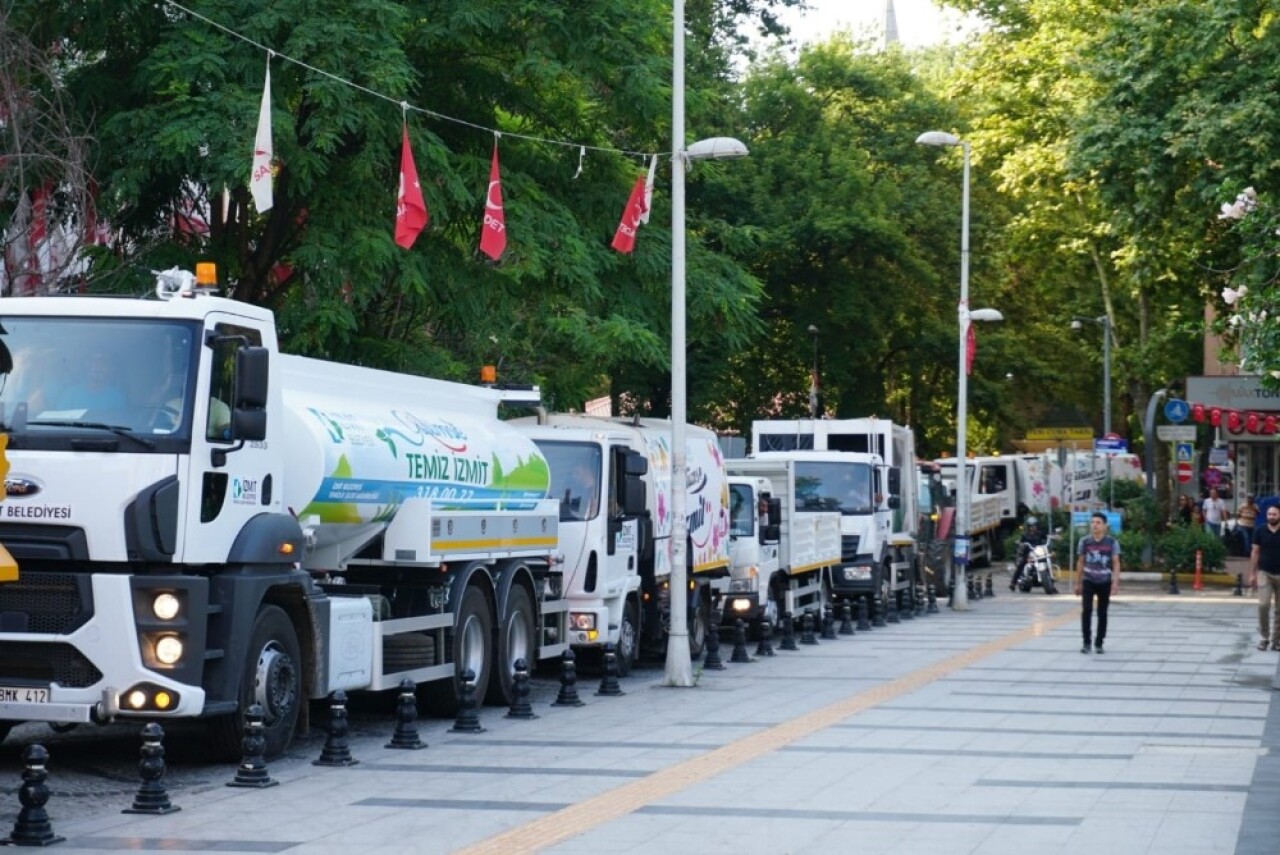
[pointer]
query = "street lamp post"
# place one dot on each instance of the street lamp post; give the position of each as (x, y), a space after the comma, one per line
(960, 598)
(679, 666)
(1103, 321)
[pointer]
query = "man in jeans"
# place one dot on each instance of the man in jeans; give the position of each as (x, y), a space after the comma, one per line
(1265, 556)
(1097, 575)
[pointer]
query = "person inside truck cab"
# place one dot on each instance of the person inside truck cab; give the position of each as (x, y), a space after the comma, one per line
(582, 492)
(95, 388)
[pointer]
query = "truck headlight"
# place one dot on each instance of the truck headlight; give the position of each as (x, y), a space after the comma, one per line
(169, 649)
(165, 606)
(584, 621)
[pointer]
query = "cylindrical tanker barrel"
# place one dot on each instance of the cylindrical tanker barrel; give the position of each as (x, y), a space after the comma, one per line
(360, 444)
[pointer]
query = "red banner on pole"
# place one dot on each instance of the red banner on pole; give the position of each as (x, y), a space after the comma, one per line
(411, 208)
(624, 239)
(493, 232)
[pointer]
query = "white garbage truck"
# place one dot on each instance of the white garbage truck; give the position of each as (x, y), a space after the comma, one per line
(863, 468)
(203, 523)
(782, 558)
(612, 477)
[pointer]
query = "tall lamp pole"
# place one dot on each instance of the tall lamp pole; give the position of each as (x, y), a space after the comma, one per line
(679, 665)
(960, 597)
(1103, 321)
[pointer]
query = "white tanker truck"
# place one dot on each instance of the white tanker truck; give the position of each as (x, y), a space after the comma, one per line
(202, 523)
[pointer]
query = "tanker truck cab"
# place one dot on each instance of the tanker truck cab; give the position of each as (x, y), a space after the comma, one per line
(599, 481)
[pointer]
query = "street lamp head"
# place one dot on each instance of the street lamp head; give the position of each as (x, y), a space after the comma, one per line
(986, 315)
(715, 148)
(1076, 324)
(938, 138)
(813, 330)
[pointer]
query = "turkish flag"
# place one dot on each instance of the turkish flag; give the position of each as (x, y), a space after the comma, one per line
(411, 208)
(493, 232)
(970, 349)
(624, 239)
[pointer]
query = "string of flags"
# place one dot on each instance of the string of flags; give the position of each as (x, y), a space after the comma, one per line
(412, 215)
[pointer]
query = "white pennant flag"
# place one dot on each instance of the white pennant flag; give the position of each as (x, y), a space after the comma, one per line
(260, 177)
(648, 190)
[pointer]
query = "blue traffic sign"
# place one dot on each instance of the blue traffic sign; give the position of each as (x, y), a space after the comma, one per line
(1110, 446)
(1176, 410)
(1183, 451)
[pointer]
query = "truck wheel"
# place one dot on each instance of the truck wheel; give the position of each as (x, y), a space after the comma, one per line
(468, 648)
(5, 727)
(272, 679)
(628, 638)
(516, 640)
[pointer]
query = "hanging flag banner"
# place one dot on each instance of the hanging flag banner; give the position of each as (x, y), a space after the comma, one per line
(624, 239)
(260, 175)
(970, 349)
(493, 232)
(648, 190)
(411, 208)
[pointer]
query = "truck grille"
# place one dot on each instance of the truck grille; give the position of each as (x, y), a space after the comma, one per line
(49, 603)
(848, 548)
(29, 661)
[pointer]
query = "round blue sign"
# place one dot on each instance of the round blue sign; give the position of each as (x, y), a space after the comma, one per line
(1176, 410)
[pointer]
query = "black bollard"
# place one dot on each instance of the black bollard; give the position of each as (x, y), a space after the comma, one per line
(893, 616)
(336, 750)
(609, 686)
(1173, 581)
(932, 597)
(252, 771)
(990, 589)
(765, 647)
(406, 733)
(520, 707)
(568, 694)
(468, 720)
(920, 602)
(152, 797)
(877, 613)
(906, 605)
(740, 654)
(1238, 590)
(829, 624)
(712, 661)
(32, 827)
(864, 618)
(846, 618)
(807, 635)
(788, 632)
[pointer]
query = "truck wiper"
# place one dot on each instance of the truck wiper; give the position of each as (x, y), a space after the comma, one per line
(118, 430)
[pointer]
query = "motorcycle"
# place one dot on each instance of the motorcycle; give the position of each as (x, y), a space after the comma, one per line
(1038, 570)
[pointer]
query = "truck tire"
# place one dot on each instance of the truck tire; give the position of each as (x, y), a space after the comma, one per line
(628, 638)
(517, 639)
(271, 678)
(699, 626)
(468, 647)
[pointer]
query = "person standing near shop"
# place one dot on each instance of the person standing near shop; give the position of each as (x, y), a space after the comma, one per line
(1247, 521)
(1097, 577)
(1214, 511)
(1265, 556)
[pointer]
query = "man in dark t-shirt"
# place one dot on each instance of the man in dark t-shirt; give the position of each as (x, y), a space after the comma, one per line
(1097, 576)
(1265, 556)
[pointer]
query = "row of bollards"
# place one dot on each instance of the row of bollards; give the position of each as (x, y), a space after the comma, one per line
(33, 827)
(822, 625)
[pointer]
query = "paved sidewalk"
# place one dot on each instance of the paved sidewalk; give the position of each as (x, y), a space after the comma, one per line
(978, 732)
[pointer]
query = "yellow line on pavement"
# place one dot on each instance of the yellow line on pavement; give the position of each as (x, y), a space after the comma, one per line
(620, 801)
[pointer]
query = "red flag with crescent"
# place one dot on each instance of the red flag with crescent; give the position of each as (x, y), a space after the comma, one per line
(411, 208)
(493, 232)
(624, 239)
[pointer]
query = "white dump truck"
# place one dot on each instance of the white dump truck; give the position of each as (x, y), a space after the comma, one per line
(203, 523)
(781, 558)
(864, 469)
(612, 477)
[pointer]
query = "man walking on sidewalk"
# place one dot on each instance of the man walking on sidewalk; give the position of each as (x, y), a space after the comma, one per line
(1265, 556)
(1097, 575)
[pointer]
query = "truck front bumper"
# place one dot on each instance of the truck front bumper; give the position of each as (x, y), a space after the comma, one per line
(855, 578)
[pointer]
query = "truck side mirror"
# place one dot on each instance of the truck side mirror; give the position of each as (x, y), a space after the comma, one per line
(895, 482)
(771, 533)
(633, 499)
(775, 512)
(252, 364)
(894, 503)
(636, 465)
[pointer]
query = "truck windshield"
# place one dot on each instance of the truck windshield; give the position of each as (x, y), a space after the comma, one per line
(833, 486)
(575, 477)
(742, 510)
(113, 375)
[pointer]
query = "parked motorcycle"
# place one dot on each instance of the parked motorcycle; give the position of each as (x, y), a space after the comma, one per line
(1039, 570)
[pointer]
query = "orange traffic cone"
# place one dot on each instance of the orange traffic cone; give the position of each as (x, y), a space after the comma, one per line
(1198, 584)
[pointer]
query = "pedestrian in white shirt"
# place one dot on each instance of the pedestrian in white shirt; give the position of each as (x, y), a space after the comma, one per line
(1214, 511)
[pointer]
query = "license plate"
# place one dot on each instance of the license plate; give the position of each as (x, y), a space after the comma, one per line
(23, 695)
